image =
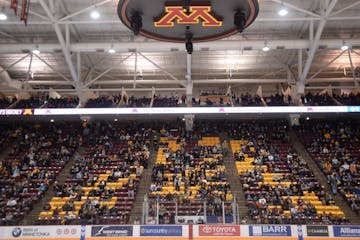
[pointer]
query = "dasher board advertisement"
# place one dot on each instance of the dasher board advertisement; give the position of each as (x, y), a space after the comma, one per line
(270, 230)
(41, 232)
(219, 230)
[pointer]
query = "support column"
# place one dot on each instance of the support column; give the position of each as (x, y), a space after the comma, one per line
(189, 82)
(78, 58)
(189, 119)
(189, 122)
(294, 119)
(299, 88)
(356, 83)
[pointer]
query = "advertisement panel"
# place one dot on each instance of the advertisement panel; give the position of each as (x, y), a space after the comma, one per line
(161, 231)
(270, 231)
(219, 230)
(41, 232)
(317, 231)
(111, 231)
(347, 231)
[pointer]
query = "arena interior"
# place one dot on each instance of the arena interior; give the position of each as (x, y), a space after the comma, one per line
(233, 119)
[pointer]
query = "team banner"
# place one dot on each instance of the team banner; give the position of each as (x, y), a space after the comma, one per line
(161, 231)
(41, 232)
(347, 231)
(270, 230)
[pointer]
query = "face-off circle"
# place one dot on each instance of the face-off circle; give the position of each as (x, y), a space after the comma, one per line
(187, 20)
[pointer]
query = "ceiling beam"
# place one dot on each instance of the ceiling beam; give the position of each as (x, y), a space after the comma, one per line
(346, 8)
(154, 46)
(162, 69)
(296, 8)
(91, 82)
(65, 50)
(84, 10)
(195, 81)
(316, 42)
(121, 27)
(103, 90)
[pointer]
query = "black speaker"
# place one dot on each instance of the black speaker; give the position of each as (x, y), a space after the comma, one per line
(239, 20)
(136, 23)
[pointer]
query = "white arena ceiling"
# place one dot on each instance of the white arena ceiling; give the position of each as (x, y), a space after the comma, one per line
(305, 49)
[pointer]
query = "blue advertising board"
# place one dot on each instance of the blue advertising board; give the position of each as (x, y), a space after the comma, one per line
(270, 230)
(216, 219)
(161, 231)
(347, 231)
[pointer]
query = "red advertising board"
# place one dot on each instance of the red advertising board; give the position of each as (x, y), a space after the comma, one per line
(219, 230)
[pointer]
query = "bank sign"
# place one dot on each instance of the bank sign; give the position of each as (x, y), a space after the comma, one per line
(270, 231)
(347, 231)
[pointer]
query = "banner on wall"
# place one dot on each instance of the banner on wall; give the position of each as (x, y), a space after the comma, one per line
(161, 231)
(111, 231)
(270, 231)
(219, 230)
(347, 231)
(317, 231)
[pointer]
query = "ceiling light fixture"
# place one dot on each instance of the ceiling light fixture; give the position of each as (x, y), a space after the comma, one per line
(112, 51)
(344, 46)
(36, 51)
(266, 49)
(283, 12)
(3, 17)
(95, 15)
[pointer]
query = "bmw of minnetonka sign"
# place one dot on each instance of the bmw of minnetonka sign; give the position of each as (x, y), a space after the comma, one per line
(172, 21)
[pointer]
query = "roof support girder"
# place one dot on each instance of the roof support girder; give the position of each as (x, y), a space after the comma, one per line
(122, 47)
(328, 7)
(65, 50)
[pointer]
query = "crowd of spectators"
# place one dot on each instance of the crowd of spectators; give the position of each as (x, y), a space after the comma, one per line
(190, 172)
(5, 102)
(173, 101)
(205, 99)
(317, 100)
(103, 102)
(102, 184)
(32, 102)
(279, 186)
(247, 100)
(37, 154)
(137, 102)
(278, 100)
(189, 177)
(348, 99)
(64, 102)
(334, 145)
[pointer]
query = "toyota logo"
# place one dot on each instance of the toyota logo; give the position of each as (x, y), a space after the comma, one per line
(207, 229)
